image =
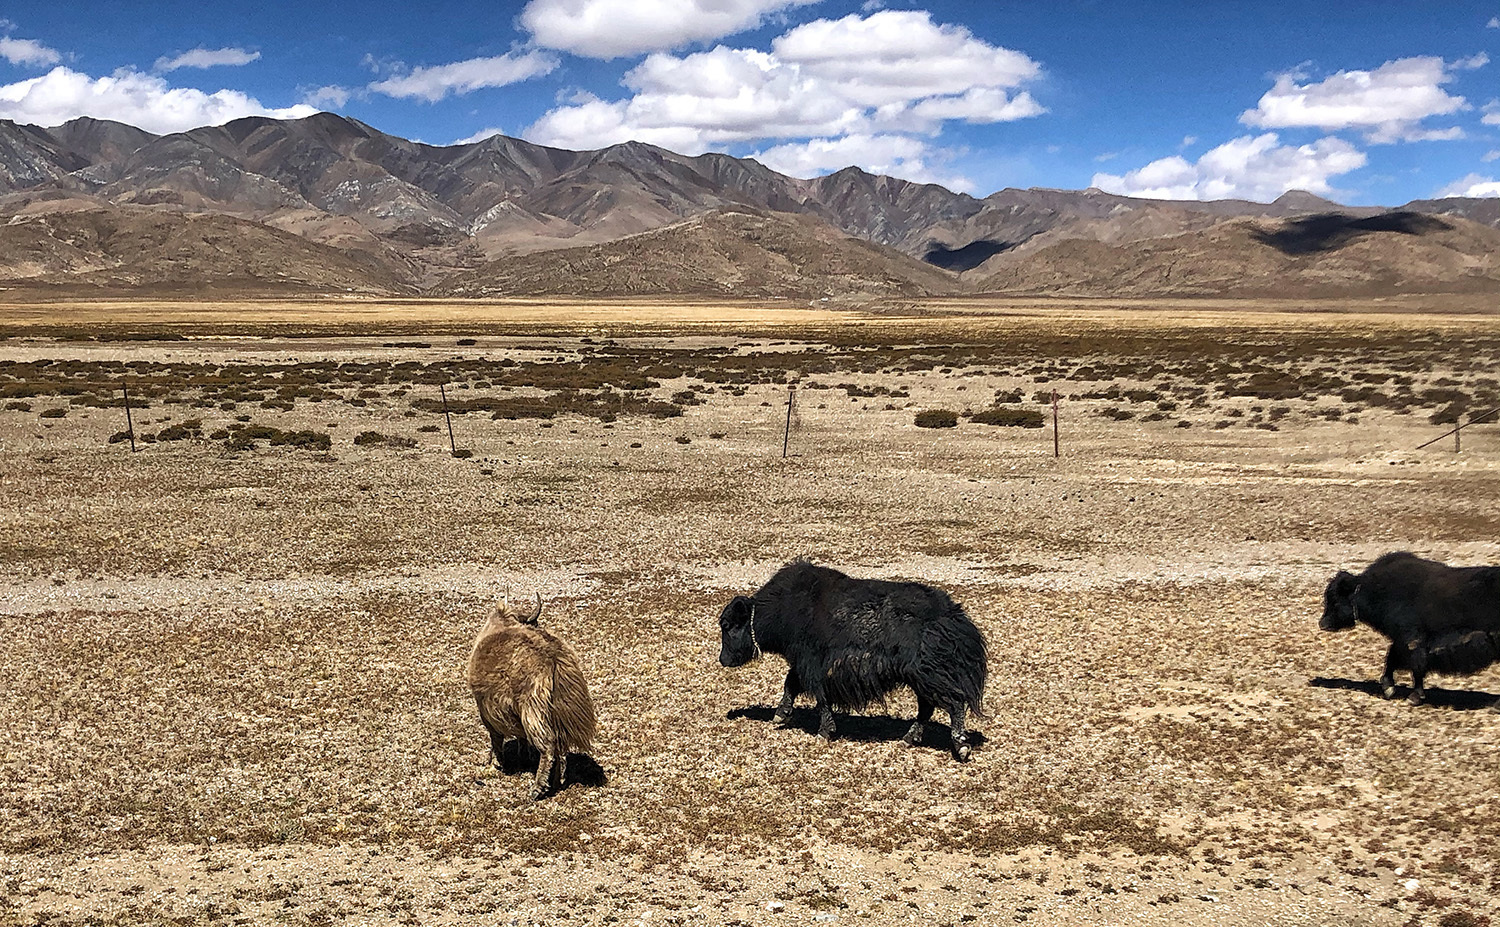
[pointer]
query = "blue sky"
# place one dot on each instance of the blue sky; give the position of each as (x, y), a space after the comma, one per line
(1368, 102)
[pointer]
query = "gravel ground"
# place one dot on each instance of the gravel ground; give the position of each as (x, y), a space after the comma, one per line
(235, 677)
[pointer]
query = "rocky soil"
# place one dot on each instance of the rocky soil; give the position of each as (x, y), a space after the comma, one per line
(234, 668)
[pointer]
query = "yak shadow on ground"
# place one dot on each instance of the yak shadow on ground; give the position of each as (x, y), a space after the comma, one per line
(861, 728)
(520, 757)
(1456, 699)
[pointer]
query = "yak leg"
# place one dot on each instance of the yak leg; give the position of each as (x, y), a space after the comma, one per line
(562, 766)
(789, 692)
(1393, 662)
(497, 749)
(544, 769)
(924, 714)
(826, 728)
(961, 748)
(1416, 661)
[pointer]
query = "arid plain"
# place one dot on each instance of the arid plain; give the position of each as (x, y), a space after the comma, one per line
(233, 658)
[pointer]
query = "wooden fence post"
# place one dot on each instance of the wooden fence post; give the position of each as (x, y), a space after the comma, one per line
(786, 438)
(129, 425)
(452, 445)
(1056, 448)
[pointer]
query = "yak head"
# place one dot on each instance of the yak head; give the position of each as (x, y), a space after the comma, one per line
(507, 613)
(1338, 602)
(737, 644)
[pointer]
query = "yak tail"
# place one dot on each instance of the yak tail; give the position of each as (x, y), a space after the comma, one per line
(558, 710)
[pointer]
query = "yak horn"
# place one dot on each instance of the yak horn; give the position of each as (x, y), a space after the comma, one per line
(538, 613)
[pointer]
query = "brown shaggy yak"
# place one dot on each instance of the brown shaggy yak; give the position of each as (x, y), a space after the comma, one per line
(528, 684)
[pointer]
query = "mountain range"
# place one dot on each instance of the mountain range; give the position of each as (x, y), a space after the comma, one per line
(328, 204)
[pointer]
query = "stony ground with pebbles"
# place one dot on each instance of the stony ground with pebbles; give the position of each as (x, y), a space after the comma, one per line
(234, 676)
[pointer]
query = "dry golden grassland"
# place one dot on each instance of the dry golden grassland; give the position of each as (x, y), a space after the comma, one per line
(233, 658)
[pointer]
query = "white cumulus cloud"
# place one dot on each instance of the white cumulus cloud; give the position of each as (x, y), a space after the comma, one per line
(981, 104)
(1472, 185)
(479, 136)
(207, 58)
(826, 89)
(897, 55)
(897, 155)
(620, 28)
(438, 81)
(143, 100)
(1252, 167)
(27, 52)
(326, 96)
(1387, 104)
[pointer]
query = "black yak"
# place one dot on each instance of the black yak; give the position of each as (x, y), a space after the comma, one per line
(528, 684)
(1439, 619)
(849, 642)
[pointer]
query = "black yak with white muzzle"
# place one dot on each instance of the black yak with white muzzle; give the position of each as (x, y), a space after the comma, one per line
(850, 642)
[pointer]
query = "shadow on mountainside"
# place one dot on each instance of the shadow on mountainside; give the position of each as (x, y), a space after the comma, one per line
(1331, 231)
(968, 257)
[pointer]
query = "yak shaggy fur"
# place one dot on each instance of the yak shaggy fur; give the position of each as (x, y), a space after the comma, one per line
(1438, 618)
(528, 684)
(850, 642)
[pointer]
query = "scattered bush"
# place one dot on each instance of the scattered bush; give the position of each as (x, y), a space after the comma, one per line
(1016, 418)
(243, 438)
(54, 413)
(368, 438)
(192, 428)
(937, 418)
(1448, 415)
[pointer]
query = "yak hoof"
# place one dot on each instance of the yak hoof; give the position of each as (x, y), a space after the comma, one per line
(1416, 697)
(1388, 691)
(913, 736)
(781, 718)
(961, 748)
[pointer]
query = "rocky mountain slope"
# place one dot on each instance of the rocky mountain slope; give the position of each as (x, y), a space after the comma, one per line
(129, 248)
(416, 218)
(729, 252)
(1312, 256)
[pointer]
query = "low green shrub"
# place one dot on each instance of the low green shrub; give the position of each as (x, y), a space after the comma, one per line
(1016, 418)
(937, 418)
